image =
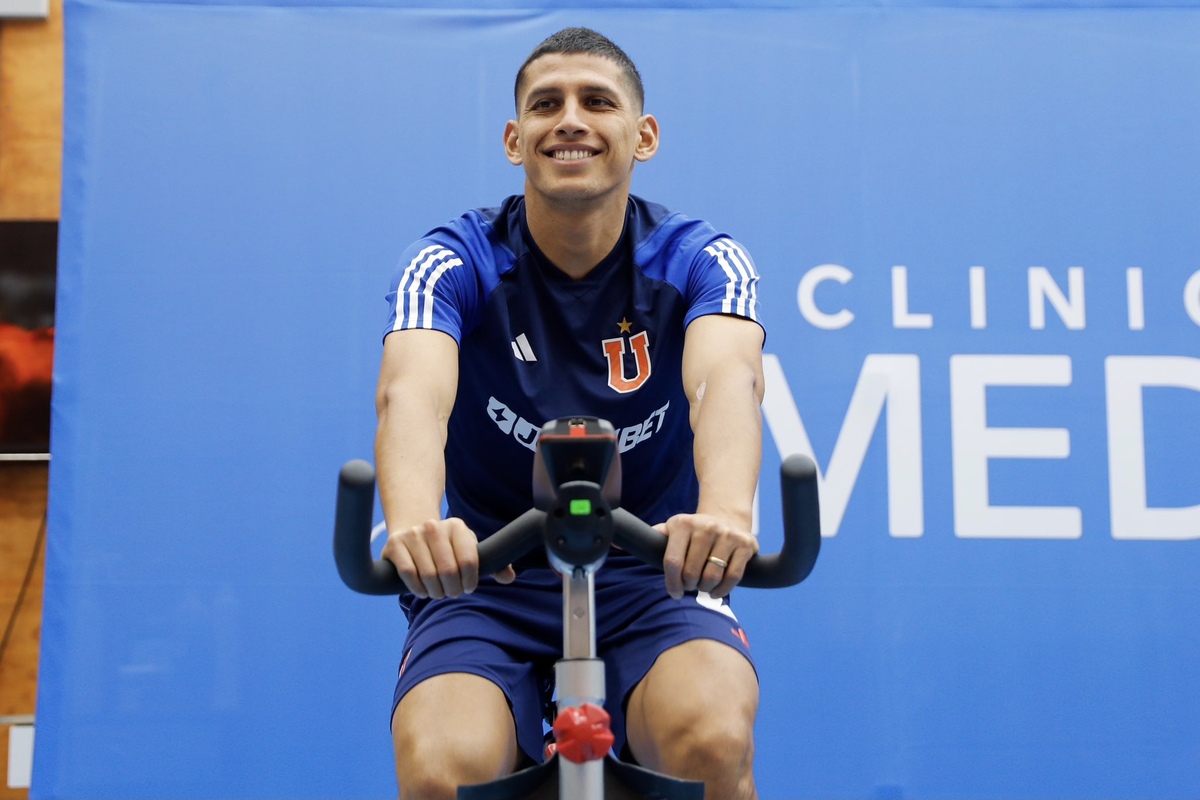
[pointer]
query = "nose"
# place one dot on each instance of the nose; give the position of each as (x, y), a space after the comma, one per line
(571, 122)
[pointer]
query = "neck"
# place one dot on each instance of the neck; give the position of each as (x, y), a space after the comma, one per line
(576, 237)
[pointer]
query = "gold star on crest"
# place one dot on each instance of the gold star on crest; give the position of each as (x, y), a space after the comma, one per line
(625, 325)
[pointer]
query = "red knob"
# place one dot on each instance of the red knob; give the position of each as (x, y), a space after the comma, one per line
(582, 733)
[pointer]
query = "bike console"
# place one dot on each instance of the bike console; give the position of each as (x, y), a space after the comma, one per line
(577, 482)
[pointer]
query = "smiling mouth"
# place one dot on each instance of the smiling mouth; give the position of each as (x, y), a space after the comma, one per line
(572, 155)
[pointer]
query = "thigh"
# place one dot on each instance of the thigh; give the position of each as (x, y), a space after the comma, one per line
(702, 688)
(639, 623)
(455, 727)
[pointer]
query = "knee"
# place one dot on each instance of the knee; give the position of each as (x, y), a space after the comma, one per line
(692, 717)
(719, 748)
(425, 785)
(449, 731)
(432, 776)
(432, 768)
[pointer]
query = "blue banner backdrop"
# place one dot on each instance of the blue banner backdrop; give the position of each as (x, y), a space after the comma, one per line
(977, 234)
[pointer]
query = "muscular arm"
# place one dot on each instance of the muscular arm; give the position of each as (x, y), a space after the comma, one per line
(417, 385)
(723, 378)
(722, 375)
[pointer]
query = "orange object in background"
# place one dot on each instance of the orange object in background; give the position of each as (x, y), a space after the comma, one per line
(26, 367)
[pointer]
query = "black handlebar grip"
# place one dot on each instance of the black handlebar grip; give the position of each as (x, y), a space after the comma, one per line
(352, 534)
(801, 532)
(517, 538)
(801, 520)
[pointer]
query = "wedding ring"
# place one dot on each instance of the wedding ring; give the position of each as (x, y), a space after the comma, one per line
(720, 562)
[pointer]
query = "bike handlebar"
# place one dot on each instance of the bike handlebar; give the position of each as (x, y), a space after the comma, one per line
(791, 565)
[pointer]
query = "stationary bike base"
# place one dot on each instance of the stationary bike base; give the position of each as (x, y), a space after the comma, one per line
(621, 782)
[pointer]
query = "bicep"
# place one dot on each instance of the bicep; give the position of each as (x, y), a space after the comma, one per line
(722, 347)
(421, 367)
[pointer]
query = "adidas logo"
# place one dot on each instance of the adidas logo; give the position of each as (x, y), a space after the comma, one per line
(522, 350)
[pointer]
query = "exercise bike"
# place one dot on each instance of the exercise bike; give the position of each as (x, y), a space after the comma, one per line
(577, 518)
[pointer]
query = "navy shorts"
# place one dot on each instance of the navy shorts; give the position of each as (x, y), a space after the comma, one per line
(512, 635)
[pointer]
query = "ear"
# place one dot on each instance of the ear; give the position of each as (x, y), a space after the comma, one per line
(512, 144)
(647, 144)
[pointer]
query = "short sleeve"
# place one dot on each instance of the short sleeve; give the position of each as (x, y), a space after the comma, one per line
(723, 280)
(431, 289)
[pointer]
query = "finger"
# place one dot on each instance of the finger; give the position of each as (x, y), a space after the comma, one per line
(418, 548)
(405, 568)
(736, 569)
(700, 545)
(438, 539)
(673, 558)
(716, 567)
(506, 575)
(466, 555)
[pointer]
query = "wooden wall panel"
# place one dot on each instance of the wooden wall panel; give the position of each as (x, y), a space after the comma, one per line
(22, 513)
(31, 100)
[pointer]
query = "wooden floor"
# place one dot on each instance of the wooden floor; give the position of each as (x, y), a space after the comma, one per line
(22, 515)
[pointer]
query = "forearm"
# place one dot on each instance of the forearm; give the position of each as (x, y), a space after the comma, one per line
(727, 425)
(410, 459)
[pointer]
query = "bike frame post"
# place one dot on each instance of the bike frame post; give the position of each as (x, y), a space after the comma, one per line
(580, 678)
(579, 620)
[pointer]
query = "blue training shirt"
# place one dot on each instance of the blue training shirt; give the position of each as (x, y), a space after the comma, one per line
(536, 345)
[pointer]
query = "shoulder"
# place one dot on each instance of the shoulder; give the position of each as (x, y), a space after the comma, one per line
(711, 270)
(444, 278)
(684, 251)
(666, 242)
(481, 238)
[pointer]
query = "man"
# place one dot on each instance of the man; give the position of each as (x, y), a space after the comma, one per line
(573, 299)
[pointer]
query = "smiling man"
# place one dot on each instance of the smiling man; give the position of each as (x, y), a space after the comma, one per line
(575, 298)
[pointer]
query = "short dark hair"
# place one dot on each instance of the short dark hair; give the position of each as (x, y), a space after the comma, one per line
(589, 42)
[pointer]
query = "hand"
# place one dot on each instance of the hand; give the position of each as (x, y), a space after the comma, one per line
(693, 540)
(438, 558)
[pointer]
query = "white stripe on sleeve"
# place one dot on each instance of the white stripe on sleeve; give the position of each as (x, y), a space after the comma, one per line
(741, 289)
(427, 310)
(414, 294)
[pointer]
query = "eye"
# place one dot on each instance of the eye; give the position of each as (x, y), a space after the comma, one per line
(599, 101)
(542, 105)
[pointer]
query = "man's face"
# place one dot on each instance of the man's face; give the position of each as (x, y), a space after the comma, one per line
(578, 130)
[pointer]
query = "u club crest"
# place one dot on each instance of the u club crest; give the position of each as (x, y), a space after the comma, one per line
(614, 352)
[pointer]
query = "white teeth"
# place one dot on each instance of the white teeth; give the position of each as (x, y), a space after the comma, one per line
(570, 155)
